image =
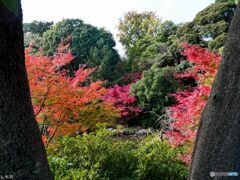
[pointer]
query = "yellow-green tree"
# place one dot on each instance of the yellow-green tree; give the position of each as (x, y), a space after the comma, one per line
(135, 26)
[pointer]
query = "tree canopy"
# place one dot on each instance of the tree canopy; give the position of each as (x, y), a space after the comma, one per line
(37, 27)
(135, 26)
(90, 46)
(145, 40)
(33, 34)
(210, 26)
(223, 1)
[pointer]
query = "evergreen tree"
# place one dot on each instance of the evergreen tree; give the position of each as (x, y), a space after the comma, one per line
(90, 46)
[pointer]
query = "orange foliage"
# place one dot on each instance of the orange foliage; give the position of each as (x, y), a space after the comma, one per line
(64, 105)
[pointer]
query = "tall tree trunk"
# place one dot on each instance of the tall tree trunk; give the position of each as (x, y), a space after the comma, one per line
(217, 147)
(22, 153)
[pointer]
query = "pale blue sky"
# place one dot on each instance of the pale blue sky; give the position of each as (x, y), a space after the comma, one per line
(106, 13)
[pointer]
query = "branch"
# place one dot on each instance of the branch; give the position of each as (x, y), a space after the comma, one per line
(43, 101)
(58, 125)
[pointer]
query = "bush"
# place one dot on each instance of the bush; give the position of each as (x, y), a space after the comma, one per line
(152, 92)
(157, 160)
(100, 156)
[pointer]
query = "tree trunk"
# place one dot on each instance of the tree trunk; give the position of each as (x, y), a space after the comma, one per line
(22, 153)
(217, 147)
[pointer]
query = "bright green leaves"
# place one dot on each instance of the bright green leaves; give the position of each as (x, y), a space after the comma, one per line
(11, 5)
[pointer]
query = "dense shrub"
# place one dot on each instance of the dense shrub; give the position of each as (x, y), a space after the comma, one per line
(152, 92)
(153, 89)
(157, 160)
(100, 156)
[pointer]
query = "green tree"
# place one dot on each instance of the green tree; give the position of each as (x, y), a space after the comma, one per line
(209, 27)
(33, 33)
(163, 50)
(33, 40)
(166, 30)
(223, 1)
(146, 40)
(37, 27)
(136, 32)
(91, 46)
(135, 26)
(152, 91)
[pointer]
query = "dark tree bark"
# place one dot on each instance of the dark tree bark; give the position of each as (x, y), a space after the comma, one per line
(217, 146)
(22, 153)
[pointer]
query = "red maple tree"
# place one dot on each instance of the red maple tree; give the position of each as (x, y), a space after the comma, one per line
(120, 98)
(187, 112)
(65, 105)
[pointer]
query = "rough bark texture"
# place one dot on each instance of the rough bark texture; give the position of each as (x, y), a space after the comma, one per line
(22, 153)
(218, 141)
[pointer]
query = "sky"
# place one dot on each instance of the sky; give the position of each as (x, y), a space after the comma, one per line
(106, 13)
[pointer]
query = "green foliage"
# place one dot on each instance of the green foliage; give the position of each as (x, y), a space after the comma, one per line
(137, 33)
(157, 160)
(33, 40)
(136, 26)
(33, 33)
(100, 156)
(156, 47)
(167, 29)
(218, 42)
(210, 26)
(208, 29)
(166, 54)
(94, 156)
(91, 46)
(149, 48)
(153, 89)
(165, 50)
(225, 1)
(37, 27)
